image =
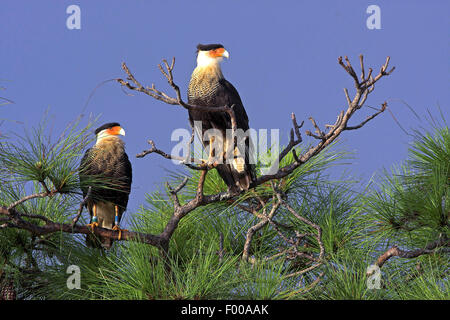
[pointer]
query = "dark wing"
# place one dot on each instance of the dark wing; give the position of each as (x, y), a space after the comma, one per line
(125, 175)
(110, 179)
(225, 95)
(230, 96)
(85, 171)
(110, 176)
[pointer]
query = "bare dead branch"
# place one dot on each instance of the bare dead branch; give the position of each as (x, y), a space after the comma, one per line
(293, 141)
(186, 161)
(394, 251)
(347, 97)
(174, 192)
(319, 133)
(362, 90)
(348, 67)
(265, 218)
(383, 108)
(29, 197)
(159, 95)
(296, 127)
(82, 204)
(180, 186)
(151, 91)
(52, 227)
(361, 62)
(292, 251)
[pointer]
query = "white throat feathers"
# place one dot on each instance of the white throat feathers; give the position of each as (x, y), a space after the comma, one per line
(204, 59)
(103, 136)
(208, 65)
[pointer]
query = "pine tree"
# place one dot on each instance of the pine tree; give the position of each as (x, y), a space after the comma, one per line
(298, 234)
(206, 249)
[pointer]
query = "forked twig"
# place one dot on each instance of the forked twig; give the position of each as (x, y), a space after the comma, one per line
(82, 204)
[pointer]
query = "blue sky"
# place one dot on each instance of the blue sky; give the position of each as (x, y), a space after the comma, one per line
(283, 59)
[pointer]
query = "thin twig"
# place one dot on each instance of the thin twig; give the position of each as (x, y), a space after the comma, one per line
(174, 192)
(394, 251)
(383, 108)
(29, 197)
(82, 204)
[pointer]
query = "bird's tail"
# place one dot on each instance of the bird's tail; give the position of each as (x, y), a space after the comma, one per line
(236, 180)
(239, 174)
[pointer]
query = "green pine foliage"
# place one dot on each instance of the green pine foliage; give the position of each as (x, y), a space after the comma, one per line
(410, 204)
(407, 206)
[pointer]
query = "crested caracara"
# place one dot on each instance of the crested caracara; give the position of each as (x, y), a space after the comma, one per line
(208, 87)
(106, 168)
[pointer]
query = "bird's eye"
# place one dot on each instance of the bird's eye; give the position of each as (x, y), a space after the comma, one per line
(113, 131)
(216, 52)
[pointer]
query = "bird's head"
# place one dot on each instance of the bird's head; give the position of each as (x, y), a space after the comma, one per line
(112, 129)
(210, 54)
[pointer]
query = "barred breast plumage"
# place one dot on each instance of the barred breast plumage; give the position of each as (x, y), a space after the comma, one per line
(209, 88)
(203, 86)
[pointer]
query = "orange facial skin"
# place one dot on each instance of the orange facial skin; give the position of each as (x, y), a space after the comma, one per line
(114, 130)
(216, 52)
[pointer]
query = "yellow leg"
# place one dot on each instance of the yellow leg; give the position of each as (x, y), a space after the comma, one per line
(210, 160)
(211, 149)
(116, 223)
(94, 222)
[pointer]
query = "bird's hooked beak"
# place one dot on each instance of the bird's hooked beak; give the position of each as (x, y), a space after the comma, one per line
(226, 54)
(115, 131)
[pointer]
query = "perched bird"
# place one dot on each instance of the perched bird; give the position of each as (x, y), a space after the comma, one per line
(209, 88)
(106, 169)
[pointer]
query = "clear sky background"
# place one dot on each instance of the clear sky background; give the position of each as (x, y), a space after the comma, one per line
(283, 59)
